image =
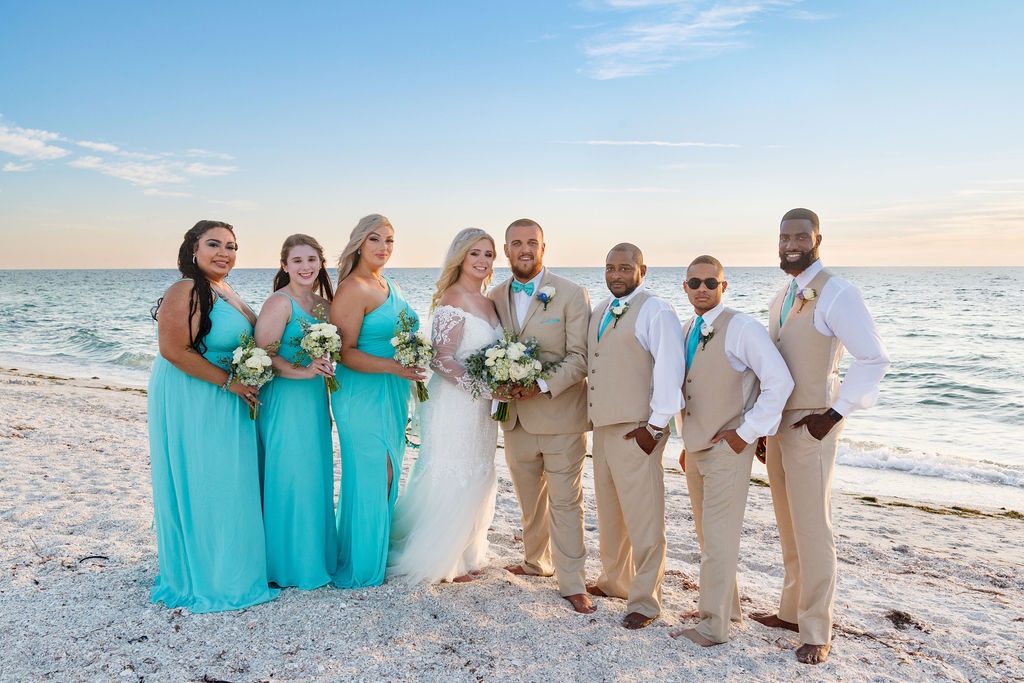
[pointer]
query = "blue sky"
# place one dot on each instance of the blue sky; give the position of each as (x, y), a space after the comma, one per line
(686, 127)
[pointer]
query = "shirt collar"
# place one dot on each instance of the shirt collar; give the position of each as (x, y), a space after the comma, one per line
(629, 297)
(712, 315)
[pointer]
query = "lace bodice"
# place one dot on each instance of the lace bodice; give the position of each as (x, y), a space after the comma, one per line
(456, 334)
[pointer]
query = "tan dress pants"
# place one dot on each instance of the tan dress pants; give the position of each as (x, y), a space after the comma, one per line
(547, 473)
(630, 489)
(718, 480)
(800, 470)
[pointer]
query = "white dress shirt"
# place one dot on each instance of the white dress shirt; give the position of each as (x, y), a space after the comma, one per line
(841, 312)
(749, 346)
(658, 332)
(521, 305)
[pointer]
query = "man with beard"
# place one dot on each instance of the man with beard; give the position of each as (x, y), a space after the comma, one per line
(636, 366)
(812, 320)
(545, 442)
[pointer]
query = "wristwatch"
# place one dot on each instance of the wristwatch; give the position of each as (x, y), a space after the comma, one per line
(835, 416)
(656, 434)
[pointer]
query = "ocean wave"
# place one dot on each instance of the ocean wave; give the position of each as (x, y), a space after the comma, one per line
(878, 457)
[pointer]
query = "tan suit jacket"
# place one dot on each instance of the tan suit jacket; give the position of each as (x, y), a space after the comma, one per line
(561, 333)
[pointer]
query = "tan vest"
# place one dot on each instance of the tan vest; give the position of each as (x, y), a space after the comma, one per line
(717, 396)
(620, 374)
(812, 357)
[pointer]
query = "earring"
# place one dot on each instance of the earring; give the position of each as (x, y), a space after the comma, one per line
(193, 259)
(358, 252)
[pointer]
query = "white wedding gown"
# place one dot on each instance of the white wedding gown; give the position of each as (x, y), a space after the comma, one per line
(439, 528)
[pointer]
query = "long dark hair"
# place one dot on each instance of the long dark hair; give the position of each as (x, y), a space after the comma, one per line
(201, 298)
(323, 278)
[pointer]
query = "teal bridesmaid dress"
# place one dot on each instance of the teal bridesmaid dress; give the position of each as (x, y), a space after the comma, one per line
(297, 472)
(370, 411)
(206, 495)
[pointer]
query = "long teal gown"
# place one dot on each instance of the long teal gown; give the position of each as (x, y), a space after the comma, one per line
(297, 472)
(370, 411)
(206, 489)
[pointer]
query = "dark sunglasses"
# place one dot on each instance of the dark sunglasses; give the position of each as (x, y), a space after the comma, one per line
(710, 283)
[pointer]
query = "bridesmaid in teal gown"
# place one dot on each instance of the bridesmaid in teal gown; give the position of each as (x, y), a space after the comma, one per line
(371, 407)
(203, 446)
(297, 456)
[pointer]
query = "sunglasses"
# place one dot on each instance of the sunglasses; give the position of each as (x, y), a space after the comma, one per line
(695, 282)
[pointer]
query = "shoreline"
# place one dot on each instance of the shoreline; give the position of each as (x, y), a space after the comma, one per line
(925, 592)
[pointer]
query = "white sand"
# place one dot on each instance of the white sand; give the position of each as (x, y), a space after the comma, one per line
(78, 556)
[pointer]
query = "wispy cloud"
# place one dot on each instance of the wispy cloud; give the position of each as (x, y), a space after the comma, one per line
(162, 172)
(153, 192)
(30, 143)
(662, 33)
(146, 169)
(205, 154)
(616, 190)
(648, 143)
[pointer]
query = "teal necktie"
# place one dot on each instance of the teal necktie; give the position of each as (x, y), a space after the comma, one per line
(607, 319)
(691, 343)
(520, 287)
(787, 304)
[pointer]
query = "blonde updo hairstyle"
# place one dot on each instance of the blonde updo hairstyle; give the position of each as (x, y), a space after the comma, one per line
(452, 267)
(349, 258)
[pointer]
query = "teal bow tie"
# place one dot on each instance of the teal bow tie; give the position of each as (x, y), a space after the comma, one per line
(520, 287)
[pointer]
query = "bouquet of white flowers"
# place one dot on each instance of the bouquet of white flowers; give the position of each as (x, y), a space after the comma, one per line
(251, 366)
(320, 339)
(506, 363)
(412, 349)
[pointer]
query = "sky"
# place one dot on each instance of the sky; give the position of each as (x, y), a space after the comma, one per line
(683, 126)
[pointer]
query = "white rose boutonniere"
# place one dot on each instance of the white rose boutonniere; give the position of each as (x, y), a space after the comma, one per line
(805, 295)
(546, 294)
(618, 312)
(706, 333)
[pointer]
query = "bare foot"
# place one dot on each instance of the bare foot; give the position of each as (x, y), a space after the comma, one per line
(581, 603)
(516, 569)
(695, 636)
(773, 621)
(812, 654)
(463, 578)
(476, 572)
(635, 620)
(594, 590)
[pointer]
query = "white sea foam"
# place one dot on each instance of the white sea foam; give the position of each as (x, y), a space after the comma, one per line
(879, 457)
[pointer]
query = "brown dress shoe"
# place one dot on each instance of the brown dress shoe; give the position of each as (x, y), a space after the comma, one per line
(635, 620)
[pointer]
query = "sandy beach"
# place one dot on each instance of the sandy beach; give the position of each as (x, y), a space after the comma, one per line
(925, 593)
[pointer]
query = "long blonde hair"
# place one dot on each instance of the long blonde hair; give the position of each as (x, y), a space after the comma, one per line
(349, 258)
(452, 267)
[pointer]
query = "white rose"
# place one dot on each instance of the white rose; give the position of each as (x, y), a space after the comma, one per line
(236, 357)
(707, 330)
(808, 294)
(395, 341)
(518, 372)
(254, 363)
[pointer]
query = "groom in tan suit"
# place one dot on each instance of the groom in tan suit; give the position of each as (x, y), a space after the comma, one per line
(545, 441)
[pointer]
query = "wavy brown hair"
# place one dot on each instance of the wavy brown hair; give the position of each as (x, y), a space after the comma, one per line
(323, 278)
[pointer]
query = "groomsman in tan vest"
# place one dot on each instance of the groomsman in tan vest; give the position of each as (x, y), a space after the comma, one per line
(736, 387)
(636, 367)
(545, 441)
(812, 319)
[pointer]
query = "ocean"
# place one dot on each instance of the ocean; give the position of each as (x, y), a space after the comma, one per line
(948, 427)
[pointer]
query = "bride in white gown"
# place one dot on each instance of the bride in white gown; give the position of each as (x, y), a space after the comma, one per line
(439, 528)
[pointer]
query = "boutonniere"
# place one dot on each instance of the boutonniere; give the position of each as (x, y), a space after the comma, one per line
(805, 295)
(546, 294)
(706, 333)
(618, 312)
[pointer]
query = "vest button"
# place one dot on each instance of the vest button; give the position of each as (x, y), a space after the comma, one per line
(596, 354)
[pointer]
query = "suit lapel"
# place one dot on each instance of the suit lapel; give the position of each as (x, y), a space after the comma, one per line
(503, 302)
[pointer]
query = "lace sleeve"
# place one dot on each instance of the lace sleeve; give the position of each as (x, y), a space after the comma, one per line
(446, 335)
